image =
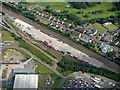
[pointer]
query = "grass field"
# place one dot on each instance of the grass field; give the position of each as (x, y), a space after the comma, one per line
(21, 51)
(42, 68)
(111, 27)
(6, 36)
(36, 52)
(99, 27)
(43, 77)
(62, 6)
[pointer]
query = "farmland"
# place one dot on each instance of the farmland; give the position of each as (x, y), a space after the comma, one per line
(60, 6)
(6, 36)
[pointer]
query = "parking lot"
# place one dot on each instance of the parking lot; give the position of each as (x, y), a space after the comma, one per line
(88, 81)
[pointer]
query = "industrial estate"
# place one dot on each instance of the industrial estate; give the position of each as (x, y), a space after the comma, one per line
(52, 45)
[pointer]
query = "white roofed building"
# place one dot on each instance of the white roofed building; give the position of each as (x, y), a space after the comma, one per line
(26, 81)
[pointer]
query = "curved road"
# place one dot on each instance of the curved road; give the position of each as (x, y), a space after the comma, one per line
(107, 63)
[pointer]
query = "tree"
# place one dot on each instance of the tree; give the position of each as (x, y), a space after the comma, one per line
(111, 54)
(47, 7)
(66, 11)
(86, 16)
(79, 12)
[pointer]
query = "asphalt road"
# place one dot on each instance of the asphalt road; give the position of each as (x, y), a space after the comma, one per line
(107, 63)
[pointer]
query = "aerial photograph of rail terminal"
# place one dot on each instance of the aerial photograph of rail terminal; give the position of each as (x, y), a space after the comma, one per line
(59, 45)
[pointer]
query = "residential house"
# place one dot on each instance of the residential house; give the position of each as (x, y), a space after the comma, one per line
(97, 43)
(80, 30)
(107, 23)
(105, 48)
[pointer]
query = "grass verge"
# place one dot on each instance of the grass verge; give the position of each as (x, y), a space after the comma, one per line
(41, 68)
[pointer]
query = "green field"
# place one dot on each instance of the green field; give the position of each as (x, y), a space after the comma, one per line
(99, 27)
(36, 52)
(21, 51)
(111, 27)
(62, 6)
(6, 36)
(42, 68)
(43, 77)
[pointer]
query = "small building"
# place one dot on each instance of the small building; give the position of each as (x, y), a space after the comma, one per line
(116, 42)
(26, 81)
(80, 30)
(107, 23)
(106, 48)
(75, 33)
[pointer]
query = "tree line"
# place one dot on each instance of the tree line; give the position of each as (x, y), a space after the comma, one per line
(80, 5)
(75, 66)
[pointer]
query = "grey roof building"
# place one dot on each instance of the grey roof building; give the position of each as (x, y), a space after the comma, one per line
(23, 70)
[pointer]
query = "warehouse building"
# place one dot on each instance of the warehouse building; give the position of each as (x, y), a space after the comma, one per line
(26, 81)
(23, 70)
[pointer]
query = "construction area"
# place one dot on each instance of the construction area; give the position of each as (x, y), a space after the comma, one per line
(54, 43)
(13, 59)
(12, 56)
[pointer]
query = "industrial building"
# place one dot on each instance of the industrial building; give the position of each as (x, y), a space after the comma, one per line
(26, 81)
(23, 70)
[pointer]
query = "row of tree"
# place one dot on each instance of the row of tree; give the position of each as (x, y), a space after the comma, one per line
(97, 11)
(75, 66)
(80, 5)
(11, 7)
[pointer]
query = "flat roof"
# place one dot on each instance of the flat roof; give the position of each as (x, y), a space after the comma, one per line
(26, 81)
(23, 70)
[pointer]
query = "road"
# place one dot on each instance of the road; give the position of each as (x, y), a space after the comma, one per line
(107, 63)
(36, 58)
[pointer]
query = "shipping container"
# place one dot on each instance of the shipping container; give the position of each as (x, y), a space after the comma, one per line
(58, 50)
(45, 43)
(59, 40)
(63, 52)
(86, 60)
(48, 41)
(35, 27)
(80, 60)
(71, 56)
(68, 52)
(76, 57)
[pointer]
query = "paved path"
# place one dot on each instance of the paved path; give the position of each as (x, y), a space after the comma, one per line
(107, 63)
